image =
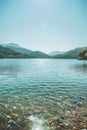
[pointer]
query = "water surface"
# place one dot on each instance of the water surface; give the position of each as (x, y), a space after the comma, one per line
(49, 90)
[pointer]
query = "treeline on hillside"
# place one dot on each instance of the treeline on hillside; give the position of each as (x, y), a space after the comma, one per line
(9, 53)
(15, 51)
(83, 55)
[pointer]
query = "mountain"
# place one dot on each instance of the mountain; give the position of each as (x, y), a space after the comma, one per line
(72, 54)
(29, 53)
(53, 53)
(39, 54)
(9, 53)
(17, 48)
(13, 50)
(11, 45)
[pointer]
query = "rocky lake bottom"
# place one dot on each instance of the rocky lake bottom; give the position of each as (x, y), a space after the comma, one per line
(43, 95)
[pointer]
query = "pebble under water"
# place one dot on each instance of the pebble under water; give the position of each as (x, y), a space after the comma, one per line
(43, 94)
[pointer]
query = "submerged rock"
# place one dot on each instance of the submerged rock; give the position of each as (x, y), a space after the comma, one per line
(80, 104)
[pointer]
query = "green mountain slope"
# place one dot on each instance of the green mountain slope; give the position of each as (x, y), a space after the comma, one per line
(30, 53)
(72, 54)
(17, 48)
(9, 53)
(39, 54)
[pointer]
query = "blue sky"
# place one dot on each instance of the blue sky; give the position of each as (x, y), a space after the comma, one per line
(44, 25)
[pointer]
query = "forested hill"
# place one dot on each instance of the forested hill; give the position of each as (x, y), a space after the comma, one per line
(9, 53)
(72, 54)
(26, 52)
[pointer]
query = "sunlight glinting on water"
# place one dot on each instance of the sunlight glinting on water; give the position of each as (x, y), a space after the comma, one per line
(53, 92)
(37, 123)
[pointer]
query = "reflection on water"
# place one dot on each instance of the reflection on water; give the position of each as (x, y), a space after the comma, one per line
(81, 67)
(43, 95)
(7, 67)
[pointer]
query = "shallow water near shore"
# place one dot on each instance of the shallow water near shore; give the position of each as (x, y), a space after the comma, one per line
(43, 94)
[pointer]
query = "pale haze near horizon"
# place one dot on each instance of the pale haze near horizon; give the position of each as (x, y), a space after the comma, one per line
(44, 25)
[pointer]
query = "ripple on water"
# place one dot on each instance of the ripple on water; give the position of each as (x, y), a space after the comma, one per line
(30, 93)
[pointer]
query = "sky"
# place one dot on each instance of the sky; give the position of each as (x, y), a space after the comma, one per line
(44, 25)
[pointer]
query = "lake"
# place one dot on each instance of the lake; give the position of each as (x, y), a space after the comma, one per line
(43, 94)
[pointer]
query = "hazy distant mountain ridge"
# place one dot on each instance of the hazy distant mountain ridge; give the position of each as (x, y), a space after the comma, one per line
(11, 45)
(53, 53)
